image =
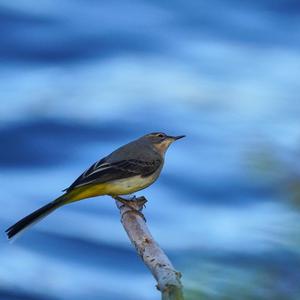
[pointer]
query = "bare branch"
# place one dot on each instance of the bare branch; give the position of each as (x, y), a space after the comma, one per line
(168, 279)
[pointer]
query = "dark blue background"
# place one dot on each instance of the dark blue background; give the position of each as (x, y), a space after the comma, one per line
(79, 78)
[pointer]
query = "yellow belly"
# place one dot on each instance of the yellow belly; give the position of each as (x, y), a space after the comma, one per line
(129, 185)
(116, 187)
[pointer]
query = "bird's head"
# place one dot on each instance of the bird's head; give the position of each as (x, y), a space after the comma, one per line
(161, 141)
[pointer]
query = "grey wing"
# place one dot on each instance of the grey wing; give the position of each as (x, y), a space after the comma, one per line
(103, 171)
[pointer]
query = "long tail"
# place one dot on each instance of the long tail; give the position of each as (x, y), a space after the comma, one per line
(36, 216)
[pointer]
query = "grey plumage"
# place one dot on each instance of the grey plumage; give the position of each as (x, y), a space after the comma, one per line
(128, 169)
(135, 158)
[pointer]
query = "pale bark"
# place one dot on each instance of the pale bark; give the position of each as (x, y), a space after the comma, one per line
(168, 279)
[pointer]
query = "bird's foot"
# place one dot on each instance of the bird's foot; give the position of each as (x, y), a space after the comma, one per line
(129, 197)
(134, 201)
(141, 201)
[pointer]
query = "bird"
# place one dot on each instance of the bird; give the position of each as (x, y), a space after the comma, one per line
(126, 170)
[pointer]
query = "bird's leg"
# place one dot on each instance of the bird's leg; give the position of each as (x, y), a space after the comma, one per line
(126, 202)
(142, 200)
(129, 197)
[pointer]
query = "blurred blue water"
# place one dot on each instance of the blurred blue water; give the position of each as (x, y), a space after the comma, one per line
(79, 78)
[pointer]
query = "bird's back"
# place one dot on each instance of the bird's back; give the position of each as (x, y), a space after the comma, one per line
(139, 149)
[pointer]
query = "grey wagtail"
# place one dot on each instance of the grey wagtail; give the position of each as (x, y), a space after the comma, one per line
(130, 168)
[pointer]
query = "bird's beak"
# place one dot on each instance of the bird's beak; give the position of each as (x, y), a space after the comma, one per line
(177, 137)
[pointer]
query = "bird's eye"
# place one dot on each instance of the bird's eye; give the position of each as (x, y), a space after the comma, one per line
(160, 135)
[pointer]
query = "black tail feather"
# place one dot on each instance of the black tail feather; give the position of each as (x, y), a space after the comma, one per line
(33, 217)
